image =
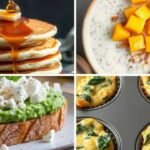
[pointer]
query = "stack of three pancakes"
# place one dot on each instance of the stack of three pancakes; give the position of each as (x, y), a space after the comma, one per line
(38, 54)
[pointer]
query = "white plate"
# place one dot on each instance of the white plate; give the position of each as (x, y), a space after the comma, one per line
(103, 54)
(63, 139)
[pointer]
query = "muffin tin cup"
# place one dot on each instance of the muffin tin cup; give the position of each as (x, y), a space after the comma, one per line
(139, 141)
(142, 91)
(109, 101)
(109, 129)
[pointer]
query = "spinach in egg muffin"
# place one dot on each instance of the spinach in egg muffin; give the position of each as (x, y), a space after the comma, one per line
(91, 135)
(95, 90)
(145, 138)
(145, 85)
(103, 142)
(96, 80)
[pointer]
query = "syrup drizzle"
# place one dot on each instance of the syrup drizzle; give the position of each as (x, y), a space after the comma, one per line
(15, 33)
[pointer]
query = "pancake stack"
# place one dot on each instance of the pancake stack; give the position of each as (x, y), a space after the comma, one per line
(39, 53)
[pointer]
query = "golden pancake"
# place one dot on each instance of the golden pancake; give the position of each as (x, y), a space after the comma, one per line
(41, 32)
(53, 68)
(50, 47)
(31, 64)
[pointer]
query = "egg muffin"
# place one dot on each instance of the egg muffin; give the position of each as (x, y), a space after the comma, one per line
(146, 139)
(145, 85)
(93, 91)
(91, 135)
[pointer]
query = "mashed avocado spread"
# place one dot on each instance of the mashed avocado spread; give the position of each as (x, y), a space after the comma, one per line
(53, 101)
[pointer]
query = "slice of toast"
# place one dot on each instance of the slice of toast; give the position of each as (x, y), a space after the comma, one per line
(31, 130)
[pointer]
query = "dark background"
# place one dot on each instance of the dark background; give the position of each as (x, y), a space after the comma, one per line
(58, 12)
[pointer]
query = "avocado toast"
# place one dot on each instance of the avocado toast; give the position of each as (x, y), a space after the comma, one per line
(29, 109)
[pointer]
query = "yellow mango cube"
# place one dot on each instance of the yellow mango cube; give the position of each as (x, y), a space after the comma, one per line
(147, 41)
(120, 33)
(143, 12)
(136, 43)
(147, 27)
(135, 24)
(138, 1)
(130, 11)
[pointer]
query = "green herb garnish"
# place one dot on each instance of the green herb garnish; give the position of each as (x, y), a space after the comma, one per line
(103, 142)
(96, 80)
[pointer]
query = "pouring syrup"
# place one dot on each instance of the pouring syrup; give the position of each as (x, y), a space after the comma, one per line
(14, 32)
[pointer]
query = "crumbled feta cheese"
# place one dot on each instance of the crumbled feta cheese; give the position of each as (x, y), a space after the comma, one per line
(4, 84)
(46, 85)
(4, 147)
(13, 94)
(49, 137)
(33, 86)
(19, 93)
(39, 96)
(21, 105)
(57, 87)
(11, 103)
(22, 81)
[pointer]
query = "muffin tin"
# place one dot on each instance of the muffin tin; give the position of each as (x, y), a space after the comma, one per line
(128, 114)
(109, 101)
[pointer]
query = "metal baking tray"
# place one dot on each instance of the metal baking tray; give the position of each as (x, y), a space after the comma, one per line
(128, 114)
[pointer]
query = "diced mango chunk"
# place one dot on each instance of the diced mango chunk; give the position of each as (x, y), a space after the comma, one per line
(147, 27)
(147, 41)
(135, 24)
(143, 12)
(138, 1)
(130, 11)
(120, 33)
(136, 43)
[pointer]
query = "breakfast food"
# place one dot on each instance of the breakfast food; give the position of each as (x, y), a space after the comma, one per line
(145, 85)
(117, 41)
(145, 141)
(93, 91)
(134, 31)
(29, 109)
(27, 45)
(91, 135)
